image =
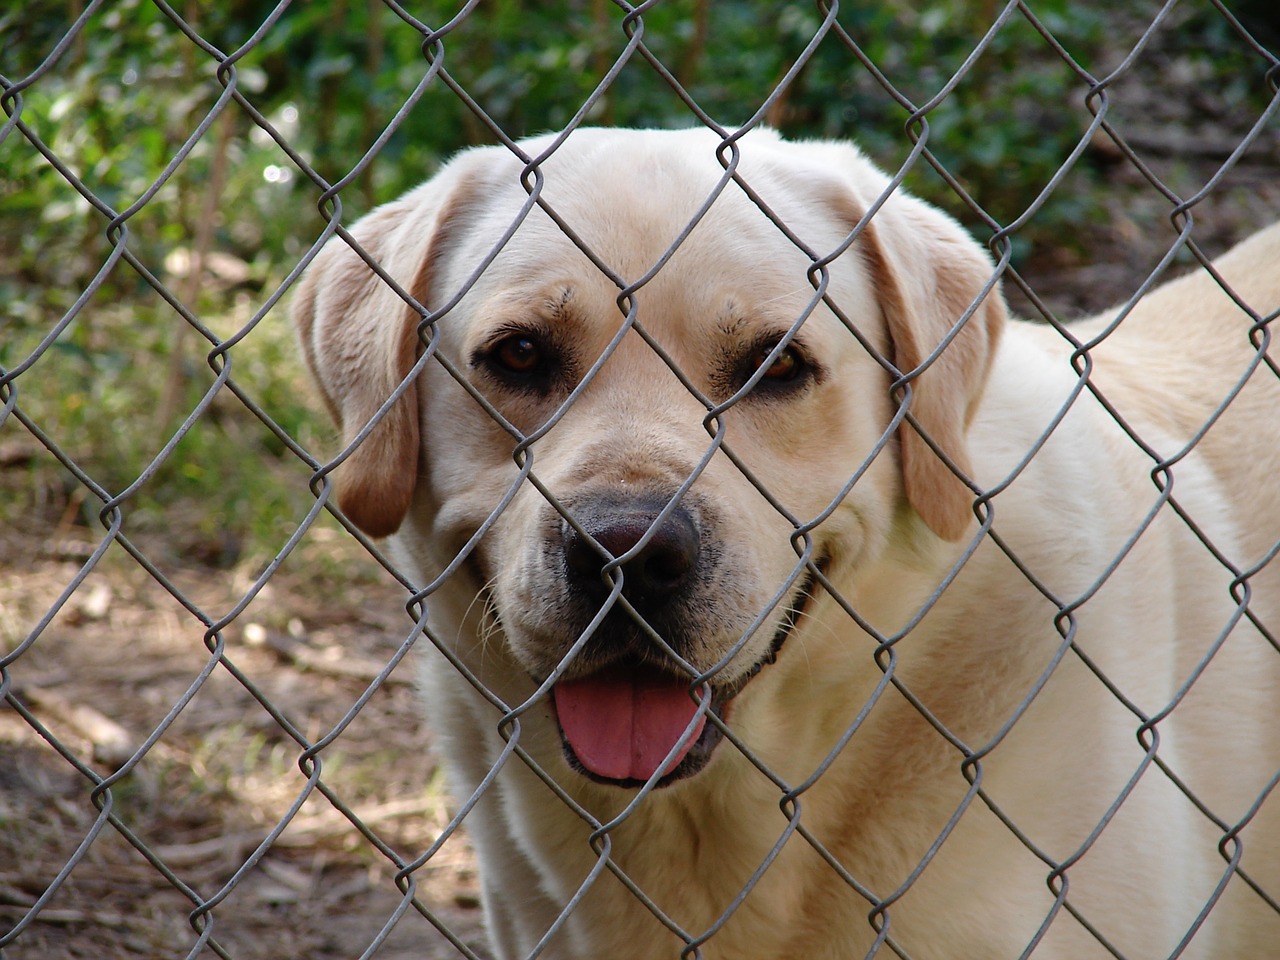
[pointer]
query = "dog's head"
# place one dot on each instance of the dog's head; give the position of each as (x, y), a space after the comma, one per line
(653, 407)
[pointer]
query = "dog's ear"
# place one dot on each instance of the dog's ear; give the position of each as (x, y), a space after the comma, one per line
(359, 339)
(928, 273)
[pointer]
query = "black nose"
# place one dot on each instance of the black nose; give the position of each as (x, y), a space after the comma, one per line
(662, 566)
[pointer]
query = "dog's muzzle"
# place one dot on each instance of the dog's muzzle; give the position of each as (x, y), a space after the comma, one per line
(627, 712)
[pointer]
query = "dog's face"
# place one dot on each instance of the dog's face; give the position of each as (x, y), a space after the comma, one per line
(648, 441)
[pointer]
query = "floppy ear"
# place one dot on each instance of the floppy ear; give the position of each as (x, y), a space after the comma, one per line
(928, 272)
(359, 339)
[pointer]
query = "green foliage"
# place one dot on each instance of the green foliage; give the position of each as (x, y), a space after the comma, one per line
(1012, 119)
(222, 230)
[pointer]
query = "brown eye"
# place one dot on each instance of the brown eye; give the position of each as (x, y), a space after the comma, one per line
(775, 371)
(786, 365)
(517, 354)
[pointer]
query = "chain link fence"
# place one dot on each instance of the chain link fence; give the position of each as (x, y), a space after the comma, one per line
(210, 744)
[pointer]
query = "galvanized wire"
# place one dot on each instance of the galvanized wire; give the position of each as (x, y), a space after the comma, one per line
(634, 53)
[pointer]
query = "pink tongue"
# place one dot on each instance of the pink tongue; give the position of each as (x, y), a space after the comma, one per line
(622, 724)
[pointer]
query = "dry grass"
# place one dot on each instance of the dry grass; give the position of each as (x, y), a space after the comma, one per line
(104, 673)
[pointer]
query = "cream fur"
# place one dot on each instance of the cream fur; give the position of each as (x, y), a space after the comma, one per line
(440, 465)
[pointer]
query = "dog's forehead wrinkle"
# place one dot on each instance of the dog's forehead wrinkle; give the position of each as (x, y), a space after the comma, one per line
(731, 320)
(645, 233)
(657, 193)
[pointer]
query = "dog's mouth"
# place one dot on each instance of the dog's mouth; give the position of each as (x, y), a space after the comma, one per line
(630, 721)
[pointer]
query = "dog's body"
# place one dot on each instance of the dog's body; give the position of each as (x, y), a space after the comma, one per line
(1055, 754)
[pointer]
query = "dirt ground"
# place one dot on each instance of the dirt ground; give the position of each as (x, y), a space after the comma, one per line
(103, 675)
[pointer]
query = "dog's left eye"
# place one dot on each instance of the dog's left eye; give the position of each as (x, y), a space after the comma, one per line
(524, 361)
(788, 369)
(787, 372)
(785, 368)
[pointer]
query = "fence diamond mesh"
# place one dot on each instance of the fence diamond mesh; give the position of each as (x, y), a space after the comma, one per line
(213, 741)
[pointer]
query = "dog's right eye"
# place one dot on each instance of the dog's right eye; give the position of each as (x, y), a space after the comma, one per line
(519, 354)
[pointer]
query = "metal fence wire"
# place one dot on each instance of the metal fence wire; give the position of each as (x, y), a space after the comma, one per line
(212, 755)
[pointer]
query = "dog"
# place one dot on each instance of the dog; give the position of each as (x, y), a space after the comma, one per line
(787, 598)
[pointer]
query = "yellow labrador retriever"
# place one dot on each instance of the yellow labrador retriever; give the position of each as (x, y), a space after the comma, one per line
(811, 607)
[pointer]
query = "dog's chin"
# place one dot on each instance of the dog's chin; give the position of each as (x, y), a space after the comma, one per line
(692, 748)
